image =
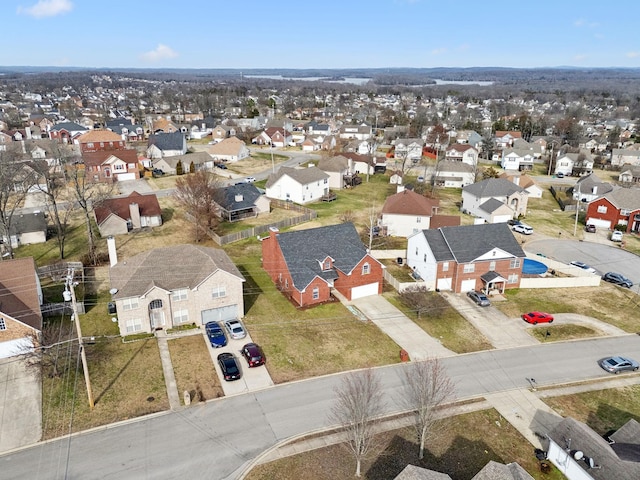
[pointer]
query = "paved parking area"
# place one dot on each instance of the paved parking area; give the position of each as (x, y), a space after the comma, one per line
(255, 378)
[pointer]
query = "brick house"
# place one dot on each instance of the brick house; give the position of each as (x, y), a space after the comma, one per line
(617, 207)
(115, 216)
(470, 257)
(307, 265)
(100, 140)
(107, 166)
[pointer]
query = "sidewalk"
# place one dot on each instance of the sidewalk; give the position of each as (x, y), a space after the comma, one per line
(167, 369)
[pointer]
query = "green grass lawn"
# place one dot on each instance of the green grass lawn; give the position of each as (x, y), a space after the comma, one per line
(559, 333)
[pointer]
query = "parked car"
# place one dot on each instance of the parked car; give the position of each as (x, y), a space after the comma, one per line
(235, 329)
(537, 317)
(479, 297)
(249, 180)
(220, 165)
(229, 366)
(560, 175)
(590, 228)
(253, 354)
(513, 222)
(618, 364)
(156, 172)
(616, 236)
(216, 335)
(420, 179)
(617, 279)
(523, 228)
(583, 266)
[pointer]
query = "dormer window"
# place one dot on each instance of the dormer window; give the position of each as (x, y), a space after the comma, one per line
(326, 265)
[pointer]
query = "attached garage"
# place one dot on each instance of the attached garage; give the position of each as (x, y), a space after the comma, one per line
(468, 285)
(444, 284)
(364, 290)
(599, 223)
(126, 176)
(221, 314)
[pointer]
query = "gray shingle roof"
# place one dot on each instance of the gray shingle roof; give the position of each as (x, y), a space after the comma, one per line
(499, 471)
(411, 472)
(27, 223)
(168, 141)
(491, 205)
(237, 197)
(333, 164)
(493, 187)
(169, 268)
(303, 176)
(468, 242)
(624, 198)
(305, 250)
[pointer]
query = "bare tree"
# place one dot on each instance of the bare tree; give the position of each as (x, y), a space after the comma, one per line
(427, 386)
(417, 300)
(52, 347)
(358, 405)
(197, 193)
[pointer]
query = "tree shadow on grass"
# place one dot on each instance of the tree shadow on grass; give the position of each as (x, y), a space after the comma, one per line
(608, 419)
(251, 289)
(462, 460)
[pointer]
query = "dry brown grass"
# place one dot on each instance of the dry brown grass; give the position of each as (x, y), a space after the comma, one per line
(193, 368)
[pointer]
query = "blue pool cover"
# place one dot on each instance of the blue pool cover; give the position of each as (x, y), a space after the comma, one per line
(533, 267)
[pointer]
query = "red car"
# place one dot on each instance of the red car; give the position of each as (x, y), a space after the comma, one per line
(537, 317)
(253, 354)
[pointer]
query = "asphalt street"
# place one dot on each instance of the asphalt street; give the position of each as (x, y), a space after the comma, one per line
(218, 439)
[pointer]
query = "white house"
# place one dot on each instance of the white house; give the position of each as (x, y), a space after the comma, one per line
(336, 167)
(454, 174)
(409, 148)
(406, 213)
(574, 163)
(517, 160)
(299, 185)
(496, 200)
(590, 187)
(526, 182)
(462, 153)
(620, 156)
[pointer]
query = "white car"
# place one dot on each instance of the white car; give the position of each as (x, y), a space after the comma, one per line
(616, 236)
(523, 228)
(583, 266)
(249, 180)
(235, 329)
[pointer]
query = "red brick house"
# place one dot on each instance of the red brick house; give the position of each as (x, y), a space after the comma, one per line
(307, 264)
(97, 140)
(621, 206)
(108, 166)
(66, 132)
(470, 257)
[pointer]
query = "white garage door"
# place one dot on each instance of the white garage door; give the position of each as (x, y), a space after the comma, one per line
(599, 223)
(444, 284)
(364, 290)
(126, 176)
(468, 285)
(220, 314)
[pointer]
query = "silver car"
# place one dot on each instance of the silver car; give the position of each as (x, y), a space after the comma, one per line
(235, 329)
(618, 364)
(479, 297)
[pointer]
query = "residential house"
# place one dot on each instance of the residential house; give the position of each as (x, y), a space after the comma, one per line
(616, 207)
(359, 132)
(307, 265)
(26, 229)
(164, 125)
(629, 174)
(66, 132)
(491, 471)
(200, 161)
(622, 156)
(117, 216)
(240, 201)
(128, 131)
(220, 132)
(495, 200)
(100, 140)
(589, 188)
(166, 145)
(471, 257)
(397, 178)
(275, 136)
(577, 164)
(505, 139)
(107, 166)
(311, 144)
(534, 149)
(336, 167)
(526, 182)
(582, 454)
(363, 164)
(518, 160)
(172, 286)
(230, 149)
(407, 212)
(470, 137)
(454, 174)
(462, 153)
(409, 149)
(20, 293)
(299, 185)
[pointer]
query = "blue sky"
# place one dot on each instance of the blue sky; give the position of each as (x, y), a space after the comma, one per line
(310, 34)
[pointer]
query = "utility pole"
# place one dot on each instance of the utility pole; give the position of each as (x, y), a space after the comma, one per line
(71, 294)
(575, 225)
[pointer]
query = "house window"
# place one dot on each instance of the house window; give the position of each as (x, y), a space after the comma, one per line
(625, 212)
(469, 267)
(424, 259)
(492, 266)
(219, 291)
(326, 181)
(102, 144)
(3, 325)
(181, 316)
(602, 209)
(286, 283)
(514, 263)
(90, 145)
(316, 293)
(134, 325)
(416, 250)
(155, 304)
(418, 219)
(366, 269)
(179, 295)
(513, 278)
(326, 265)
(445, 266)
(130, 304)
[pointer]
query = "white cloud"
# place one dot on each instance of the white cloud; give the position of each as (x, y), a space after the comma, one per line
(581, 22)
(633, 54)
(438, 51)
(161, 52)
(47, 8)
(580, 57)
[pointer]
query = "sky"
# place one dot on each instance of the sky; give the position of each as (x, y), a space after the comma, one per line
(245, 34)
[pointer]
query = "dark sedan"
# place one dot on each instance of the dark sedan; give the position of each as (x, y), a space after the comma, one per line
(216, 335)
(617, 279)
(618, 364)
(229, 366)
(253, 354)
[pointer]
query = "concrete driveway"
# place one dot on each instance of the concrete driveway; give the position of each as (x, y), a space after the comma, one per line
(252, 379)
(409, 336)
(140, 185)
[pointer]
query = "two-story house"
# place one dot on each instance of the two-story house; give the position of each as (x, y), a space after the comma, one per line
(620, 206)
(299, 185)
(495, 200)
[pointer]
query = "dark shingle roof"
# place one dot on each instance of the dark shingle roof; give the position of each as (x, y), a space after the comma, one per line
(28, 222)
(491, 205)
(499, 471)
(237, 197)
(305, 250)
(167, 141)
(147, 204)
(468, 242)
(493, 187)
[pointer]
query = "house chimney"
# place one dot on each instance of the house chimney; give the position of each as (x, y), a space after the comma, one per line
(239, 197)
(134, 213)
(111, 247)
(594, 190)
(273, 231)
